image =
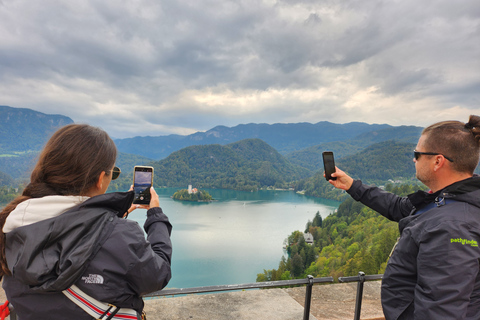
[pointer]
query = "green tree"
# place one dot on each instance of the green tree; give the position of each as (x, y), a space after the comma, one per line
(317, 220)
(297, 265)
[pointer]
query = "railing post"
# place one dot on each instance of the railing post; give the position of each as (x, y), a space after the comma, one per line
(358, 301)
(308, 298)
(13, 314)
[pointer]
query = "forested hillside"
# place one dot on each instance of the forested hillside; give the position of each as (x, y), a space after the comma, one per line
(7, 194)
(25, 129)
(311, 158)
(389, 160)
(6, 180)
(18, 165)
(126, 162)
(381, 162)
(353, 239)
(408, 134)
(23, 132)
(245, 165)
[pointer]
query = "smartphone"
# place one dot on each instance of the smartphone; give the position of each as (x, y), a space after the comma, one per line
(142, 181)
(329, 165)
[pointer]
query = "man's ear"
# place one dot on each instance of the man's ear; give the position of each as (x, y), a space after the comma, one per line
(99, 183)
(439, 162)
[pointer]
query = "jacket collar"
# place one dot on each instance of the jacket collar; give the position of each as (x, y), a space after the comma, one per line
(119, 202)
(460, 191)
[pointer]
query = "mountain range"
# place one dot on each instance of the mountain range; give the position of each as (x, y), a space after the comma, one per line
(247, 155)
(284, 137)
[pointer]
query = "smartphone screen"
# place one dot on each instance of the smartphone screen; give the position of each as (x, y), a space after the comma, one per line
(142, 181)
(329, 165)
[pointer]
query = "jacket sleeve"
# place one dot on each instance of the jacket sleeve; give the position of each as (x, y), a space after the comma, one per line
(151, 272)
(387, 204)
(447, 266)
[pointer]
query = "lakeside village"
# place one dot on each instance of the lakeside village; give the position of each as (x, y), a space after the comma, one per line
(192, 194)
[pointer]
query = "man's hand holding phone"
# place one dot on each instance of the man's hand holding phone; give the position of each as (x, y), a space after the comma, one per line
(343, 181)
(335, 176)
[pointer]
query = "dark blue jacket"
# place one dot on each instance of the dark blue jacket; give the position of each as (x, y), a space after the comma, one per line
(90, 246)
(434, 270)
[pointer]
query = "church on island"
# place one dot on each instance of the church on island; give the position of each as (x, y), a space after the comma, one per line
(190, 190)
(192, 194)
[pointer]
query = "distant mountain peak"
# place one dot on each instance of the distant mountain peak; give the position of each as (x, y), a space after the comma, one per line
(24, 129)
(284, 137)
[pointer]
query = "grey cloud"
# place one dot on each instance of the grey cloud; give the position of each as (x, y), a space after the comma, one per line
(393, 79)
(466, 94)
(147, 54)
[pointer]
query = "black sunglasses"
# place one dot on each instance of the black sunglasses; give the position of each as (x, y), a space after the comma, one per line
(417, 154)
(116, 172)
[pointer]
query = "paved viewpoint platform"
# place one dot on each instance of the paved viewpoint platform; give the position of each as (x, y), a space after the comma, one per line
(268, 304)
(329, 302)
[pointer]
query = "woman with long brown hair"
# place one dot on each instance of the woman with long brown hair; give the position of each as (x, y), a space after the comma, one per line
(65, 251)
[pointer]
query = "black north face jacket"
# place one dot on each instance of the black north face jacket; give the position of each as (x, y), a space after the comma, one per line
(92, 247)
(434, 270)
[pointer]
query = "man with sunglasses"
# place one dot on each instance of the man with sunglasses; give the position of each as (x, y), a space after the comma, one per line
(434, 270)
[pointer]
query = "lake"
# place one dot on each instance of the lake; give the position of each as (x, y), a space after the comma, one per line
(231, 240)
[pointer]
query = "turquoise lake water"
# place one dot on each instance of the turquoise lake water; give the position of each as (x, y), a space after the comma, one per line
(231, 240)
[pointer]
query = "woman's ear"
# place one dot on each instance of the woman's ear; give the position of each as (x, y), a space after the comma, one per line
(97, 188)
(100, 181)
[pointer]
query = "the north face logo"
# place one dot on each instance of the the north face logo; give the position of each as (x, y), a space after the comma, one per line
(93, 278)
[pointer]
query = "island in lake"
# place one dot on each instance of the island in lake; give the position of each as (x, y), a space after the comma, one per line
(192, 194)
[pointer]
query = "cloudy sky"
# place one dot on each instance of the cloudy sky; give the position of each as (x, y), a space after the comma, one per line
(155, 67)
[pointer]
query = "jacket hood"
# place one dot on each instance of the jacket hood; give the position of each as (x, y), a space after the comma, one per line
(51, 254)
(38, 209)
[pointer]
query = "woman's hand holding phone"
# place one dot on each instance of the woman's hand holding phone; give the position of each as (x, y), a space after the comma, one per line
(154, 202)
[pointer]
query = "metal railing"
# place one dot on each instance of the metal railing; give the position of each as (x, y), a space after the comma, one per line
(13, 315)
(309, 282)
(361, 278)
